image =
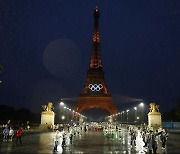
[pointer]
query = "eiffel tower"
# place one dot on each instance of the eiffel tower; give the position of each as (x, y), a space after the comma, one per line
(95, 92)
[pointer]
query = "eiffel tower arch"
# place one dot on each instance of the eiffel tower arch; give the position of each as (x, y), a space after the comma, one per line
(95, 92)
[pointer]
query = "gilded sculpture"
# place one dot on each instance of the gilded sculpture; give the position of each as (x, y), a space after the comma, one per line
(48, 107)
(154, 107)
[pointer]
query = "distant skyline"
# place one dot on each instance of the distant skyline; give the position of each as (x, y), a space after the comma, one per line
(45, 47)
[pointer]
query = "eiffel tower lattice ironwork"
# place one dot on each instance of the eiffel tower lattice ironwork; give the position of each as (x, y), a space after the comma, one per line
(95, 92)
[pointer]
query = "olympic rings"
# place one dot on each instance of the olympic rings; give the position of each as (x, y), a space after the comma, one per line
(95, 87)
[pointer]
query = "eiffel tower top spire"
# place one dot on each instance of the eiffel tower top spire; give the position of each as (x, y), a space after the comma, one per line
(95, 61)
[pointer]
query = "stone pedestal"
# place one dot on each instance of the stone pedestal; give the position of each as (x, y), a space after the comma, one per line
(154, 120)
(47, 119)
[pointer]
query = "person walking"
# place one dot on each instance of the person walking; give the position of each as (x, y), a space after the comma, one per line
(6, 133)
(11, 134)
(55, 141)
(85, 129)
(64, 140)
(18, 135)
(119, 134)
(152, 143)
(164, 137)
(145, 136)
(133, 138)
(71, 137)
(139, 142)
(58, 142)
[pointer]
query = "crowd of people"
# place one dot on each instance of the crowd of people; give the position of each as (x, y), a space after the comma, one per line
(9, 133)
(144, 140)
(147, 140)
(64, 137)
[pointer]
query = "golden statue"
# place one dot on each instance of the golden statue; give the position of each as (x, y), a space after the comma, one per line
(48, 107)
(153, 107)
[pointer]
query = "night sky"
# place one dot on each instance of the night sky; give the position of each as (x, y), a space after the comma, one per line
(45, 47)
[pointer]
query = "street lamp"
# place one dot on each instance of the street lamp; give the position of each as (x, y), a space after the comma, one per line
(63, 117)
(142, 106)
(137, 118)
(135, 112)
(127, 115)
(122, 116)
(61, 103)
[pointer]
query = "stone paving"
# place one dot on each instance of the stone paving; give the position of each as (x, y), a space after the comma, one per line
(89, 142)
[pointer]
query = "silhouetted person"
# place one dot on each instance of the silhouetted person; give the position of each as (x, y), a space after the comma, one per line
(71, 137)
(163, 138)
(85, 129)
(133, 138)
(152, 143)
(64, 140)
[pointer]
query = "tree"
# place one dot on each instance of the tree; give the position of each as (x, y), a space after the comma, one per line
(17, 116)
(177, 112)
(1, 68)
(7, 113)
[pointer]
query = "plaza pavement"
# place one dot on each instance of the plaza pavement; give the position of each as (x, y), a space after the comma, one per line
(91, 142)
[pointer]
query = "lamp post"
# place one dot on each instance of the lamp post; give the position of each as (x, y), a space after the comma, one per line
(137, 118)
(68, 113)
(123, 117)
(61, 104)
(127, 115)
(63, 118)
(135, 112)
(142, 106)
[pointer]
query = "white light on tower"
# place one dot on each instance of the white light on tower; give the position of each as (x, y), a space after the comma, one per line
(135, 108)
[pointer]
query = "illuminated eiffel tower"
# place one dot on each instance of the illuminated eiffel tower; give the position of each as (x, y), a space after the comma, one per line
(95, 92)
